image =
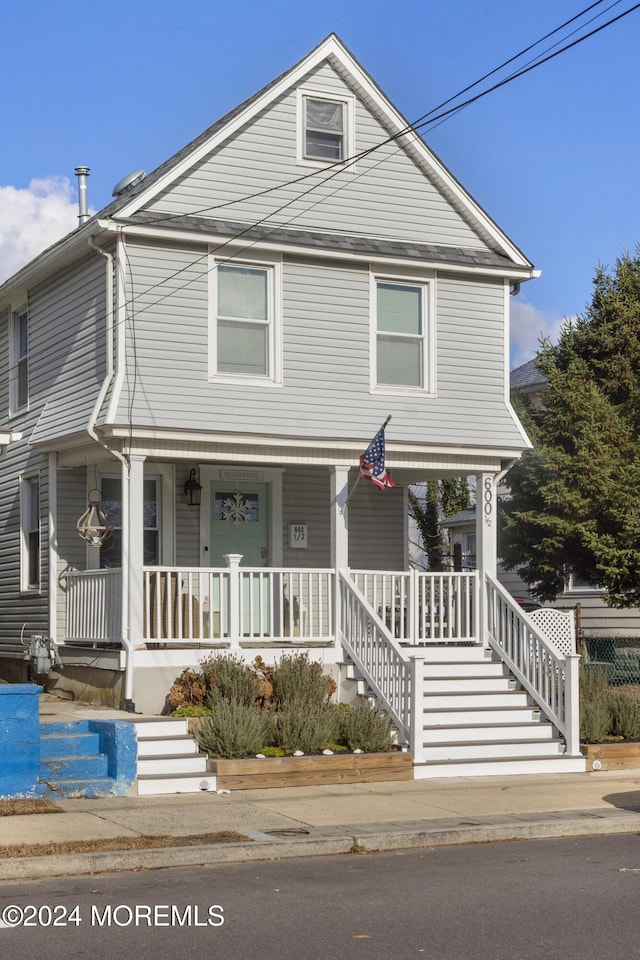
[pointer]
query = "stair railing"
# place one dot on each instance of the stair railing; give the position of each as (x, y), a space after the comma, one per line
(548, 675)
(395, 679)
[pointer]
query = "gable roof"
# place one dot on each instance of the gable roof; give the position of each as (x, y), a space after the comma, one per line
(528, 378)
(128, 204)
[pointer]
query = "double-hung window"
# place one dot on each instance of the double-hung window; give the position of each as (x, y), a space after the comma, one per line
(19, 359)
(111, 549)
(30, 524)
(324, 129)
(402, 342)
(244, 307)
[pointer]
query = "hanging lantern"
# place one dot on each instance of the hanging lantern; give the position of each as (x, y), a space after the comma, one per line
(94, 525)
(193, 490)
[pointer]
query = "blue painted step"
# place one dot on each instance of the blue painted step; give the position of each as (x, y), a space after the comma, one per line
(71, 761)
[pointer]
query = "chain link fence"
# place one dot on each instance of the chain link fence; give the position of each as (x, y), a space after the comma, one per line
(617, 657)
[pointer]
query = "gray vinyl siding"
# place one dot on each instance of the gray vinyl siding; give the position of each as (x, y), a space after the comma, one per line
(72, 550)
(326, 351)
(187, 522)
(4, 366)
(385, 194)
(67, 348)
(306, 499)
(23, 612)
(377, 528)
(599, 620)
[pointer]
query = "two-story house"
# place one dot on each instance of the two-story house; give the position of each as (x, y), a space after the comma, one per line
(200, 365)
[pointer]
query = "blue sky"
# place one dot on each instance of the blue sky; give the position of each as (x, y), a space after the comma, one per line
(552, 157)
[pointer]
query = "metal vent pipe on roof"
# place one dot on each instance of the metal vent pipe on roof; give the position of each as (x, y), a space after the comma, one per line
(83, 202)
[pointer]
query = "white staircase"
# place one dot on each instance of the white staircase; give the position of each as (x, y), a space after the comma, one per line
(169, 760)
(478, 722)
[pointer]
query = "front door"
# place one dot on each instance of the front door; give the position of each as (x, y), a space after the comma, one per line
(240, 523)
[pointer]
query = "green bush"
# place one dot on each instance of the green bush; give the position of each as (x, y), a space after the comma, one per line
(235, 728)
(594, 681)
(595, 719)
(196, 710)
(363, 727)
(624, 715)
(297, 680)
(232, 677)
(308, 726)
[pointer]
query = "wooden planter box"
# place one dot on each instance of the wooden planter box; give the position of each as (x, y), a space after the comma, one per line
(251, 774)
(623, 755)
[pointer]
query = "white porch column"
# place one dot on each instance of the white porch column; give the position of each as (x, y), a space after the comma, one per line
(135, 551)
(339, 532)
(486, 541)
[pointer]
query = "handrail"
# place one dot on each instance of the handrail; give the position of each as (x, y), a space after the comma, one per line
(395, 678)
(550, 677)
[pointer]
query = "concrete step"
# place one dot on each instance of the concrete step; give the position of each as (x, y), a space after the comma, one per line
(173, 765)
(156, 784)
(76, 767)
(496, 749)
(505, 766)
(93, 787)
(463, 732)
(67, 744)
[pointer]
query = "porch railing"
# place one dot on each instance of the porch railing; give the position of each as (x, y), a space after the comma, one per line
(94, 605)
(423, 607)
(395, 678)
(199, 605)
(549, 676)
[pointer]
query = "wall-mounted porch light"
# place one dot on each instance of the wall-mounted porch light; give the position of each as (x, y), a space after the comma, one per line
(94, 525)
(193, 490)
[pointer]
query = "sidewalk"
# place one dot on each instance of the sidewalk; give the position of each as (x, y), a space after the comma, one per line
(308, 821)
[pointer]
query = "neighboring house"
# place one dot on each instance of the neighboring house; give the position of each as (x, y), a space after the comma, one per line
(208, 357)
(594, 618)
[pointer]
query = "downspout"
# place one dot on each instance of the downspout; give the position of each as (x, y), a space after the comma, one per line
(91, 430)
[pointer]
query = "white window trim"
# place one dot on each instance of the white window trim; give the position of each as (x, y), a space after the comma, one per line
(14, 359)
(427, 283)
(165, 473)
(274, 274)
(571, 588)
(25, 528)
(349, 128)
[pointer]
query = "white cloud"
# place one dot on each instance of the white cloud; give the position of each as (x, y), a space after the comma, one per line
(528, 325)
(33, 218)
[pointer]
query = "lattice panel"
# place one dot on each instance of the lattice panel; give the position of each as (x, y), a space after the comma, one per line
(558, 626)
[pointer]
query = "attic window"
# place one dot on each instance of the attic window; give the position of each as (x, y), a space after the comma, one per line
(324, 129)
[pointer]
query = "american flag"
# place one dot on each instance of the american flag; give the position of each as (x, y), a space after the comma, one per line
(372, 462)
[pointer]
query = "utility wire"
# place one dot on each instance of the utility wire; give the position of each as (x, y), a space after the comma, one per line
(424, 121)
(341, 164)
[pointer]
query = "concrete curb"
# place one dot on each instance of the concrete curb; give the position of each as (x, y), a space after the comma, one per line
(339, 840)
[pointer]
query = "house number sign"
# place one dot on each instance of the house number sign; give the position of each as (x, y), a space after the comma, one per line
(488, 501)
(298, 535)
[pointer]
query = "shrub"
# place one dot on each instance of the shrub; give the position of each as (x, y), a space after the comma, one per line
(595, 719)
(196, 710)
(296, 680)
(594, 681)
(189, 689)
(235, 728)
(363, 727)
(232, 677)
(624, 715)
(308, 726)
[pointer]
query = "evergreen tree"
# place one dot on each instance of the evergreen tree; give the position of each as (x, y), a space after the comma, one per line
(441, 498)
(575, 498)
